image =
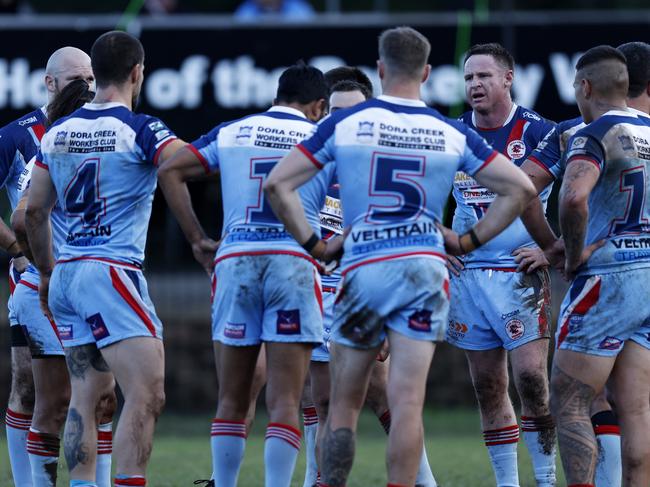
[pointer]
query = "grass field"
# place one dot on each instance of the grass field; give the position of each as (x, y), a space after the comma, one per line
(182, 453)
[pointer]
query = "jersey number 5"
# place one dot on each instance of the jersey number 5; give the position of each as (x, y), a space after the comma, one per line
(82, 194)
(394, 177)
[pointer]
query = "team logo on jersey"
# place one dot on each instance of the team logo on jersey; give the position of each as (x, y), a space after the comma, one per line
(244, 134)
(610, 343)
(578, 143)
(288, 322)
(97, 326)
(515, 329)
(27, 121)
(531, 115)
(156, 126)
(420, 320)
(516, 149)
(235, 330)
(365, 131)
(65, 332)
(626, 142)
(59, 138)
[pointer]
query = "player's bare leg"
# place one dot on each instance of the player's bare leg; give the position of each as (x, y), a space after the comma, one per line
(52, 391)
(90, 380)
(139, 367)
(489, 372)
(409, 368)
(259, 381)
(320, 392)
(287, 364)
(576, 379)
(609, 469)
(310, 432)
(631, 387)
(19, 413)
(530, 369)
(350, 373)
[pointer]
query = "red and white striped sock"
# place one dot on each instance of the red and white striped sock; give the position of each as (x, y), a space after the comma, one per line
(43, 449)
(228, 442)
(539, 436)
(134, 480)
(310, 426)
(104, 452)
(385, 419)
(280, 452)
(502, 447)
(609, 468)
(17, 426)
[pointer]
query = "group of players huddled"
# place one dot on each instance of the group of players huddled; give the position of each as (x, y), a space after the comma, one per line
(334, 266)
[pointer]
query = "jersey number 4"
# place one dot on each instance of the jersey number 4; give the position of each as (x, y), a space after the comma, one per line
(82, 194)
(394, 177)
(633, 183)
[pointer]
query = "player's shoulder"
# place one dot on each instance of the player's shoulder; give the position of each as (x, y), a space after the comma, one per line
(466, 118)
(536, 121)
(605, 123)
(571, 124)
(21, 126)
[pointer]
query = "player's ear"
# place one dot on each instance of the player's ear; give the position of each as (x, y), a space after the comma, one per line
(136, 72)
(426, 73)
(586, 87)
(50, 83)
(381, 69)
(510, 76)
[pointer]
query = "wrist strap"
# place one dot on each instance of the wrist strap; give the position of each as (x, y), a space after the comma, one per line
(475, 241)
(311, 243)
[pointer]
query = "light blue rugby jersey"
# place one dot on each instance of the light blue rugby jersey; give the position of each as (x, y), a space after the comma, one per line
(549, 154)
(102, 161)
(618, 144)
(395, 159)
(245, 151)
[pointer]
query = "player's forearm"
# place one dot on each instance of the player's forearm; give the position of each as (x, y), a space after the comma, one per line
(18, 225)
(573, 223)
(179, 200)
(288, 208)
(8, 240)
(39, 234)
(503, 211)
(535, 222)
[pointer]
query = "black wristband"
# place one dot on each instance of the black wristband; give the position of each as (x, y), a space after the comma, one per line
(475, 241)
(18, 255)
(311, 243)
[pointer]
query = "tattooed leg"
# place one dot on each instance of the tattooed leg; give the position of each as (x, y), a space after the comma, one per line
(90, 380)
(337, 455)
(576, 379)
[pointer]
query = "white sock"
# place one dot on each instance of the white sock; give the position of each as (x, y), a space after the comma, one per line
(310, 425)
(43, 450)
(280, 452)
(228, 441)
(17, 430)
(609, 469)
(542, 455)
(502, 447)
(104, 452)
(425, 476)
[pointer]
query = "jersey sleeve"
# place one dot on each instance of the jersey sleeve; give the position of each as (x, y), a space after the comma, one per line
(206, 149)
(548, 153)
(7, 154)
(319, 148)
(478, 153)
(152, 138)
(40, 160)
(585, 146)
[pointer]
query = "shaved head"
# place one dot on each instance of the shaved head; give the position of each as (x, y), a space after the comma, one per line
(606, 69)
(65, 65)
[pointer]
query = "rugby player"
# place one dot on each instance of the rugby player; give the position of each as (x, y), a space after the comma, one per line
(495, 311)
(345, 94)
(99, 164)
(19, 142)
(603, 327)
(267, 287)
(394, 277)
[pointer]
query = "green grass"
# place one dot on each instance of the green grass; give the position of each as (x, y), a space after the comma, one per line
(453, 438)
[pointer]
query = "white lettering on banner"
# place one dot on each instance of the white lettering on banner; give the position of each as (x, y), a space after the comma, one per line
(564, 69)
(241, 83)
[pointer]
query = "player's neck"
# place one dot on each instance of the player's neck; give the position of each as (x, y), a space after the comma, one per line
(496, 117)
(641, 103)
(601, 107)
(408, 90)
(113, 94)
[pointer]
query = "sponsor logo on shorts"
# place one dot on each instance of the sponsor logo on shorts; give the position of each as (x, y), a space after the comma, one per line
(610, 343)
(515, 329)
(420, 320)
(575, 322)
(288, 322)
(235, 330)
(97, 326)
(512, 314)
(516, 149)
(457, 330)
(65, 332)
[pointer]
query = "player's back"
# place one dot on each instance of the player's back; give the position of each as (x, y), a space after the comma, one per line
(102, 162)
(618, 143)
(395, 161)
(549, 153)
(244, 152)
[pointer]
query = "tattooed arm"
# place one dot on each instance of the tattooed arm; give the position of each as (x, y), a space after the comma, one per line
(580, 178)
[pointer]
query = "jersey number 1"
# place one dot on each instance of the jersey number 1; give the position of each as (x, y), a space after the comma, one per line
(262, 212)
(632, 182)
(82, 194)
